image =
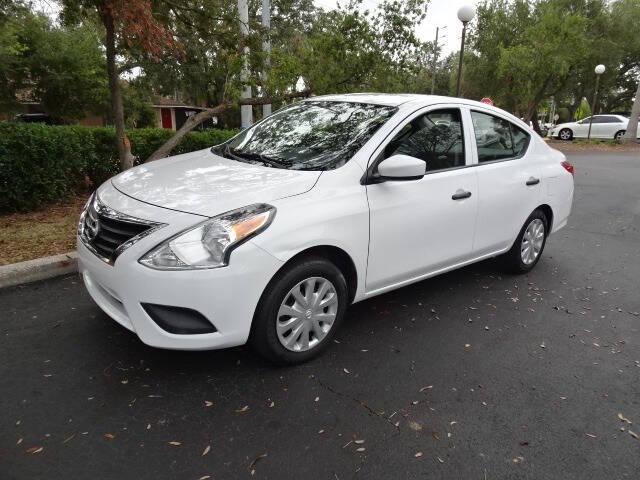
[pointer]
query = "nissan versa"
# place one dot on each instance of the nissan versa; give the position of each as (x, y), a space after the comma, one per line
(269, 237)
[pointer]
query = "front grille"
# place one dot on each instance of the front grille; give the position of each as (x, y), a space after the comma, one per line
(108, 233)
(112, 233)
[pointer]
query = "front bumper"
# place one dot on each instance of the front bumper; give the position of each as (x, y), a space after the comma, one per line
(227, 297)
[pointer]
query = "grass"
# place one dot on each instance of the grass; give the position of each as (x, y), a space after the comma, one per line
(50, 231)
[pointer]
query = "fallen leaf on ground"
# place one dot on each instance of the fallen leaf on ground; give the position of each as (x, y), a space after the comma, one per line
(359, 442)
(590, 435)
(206, 450)
(243, 409)
(110, 436)
(361, 449)
(208, 403)
(346, 371)
(415, 426)
(624, 419)
(175, 444)
(418, 454)
(34, 449)
(634, 435)
(256, 460)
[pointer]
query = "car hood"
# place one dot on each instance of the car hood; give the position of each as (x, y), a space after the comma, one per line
(206, 184)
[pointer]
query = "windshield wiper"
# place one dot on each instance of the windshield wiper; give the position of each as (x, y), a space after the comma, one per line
(257, 157)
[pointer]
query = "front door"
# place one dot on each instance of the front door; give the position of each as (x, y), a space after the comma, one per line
(418, 227)
(165, 113)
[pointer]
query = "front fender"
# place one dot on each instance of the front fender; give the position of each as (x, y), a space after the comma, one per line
(335, 213)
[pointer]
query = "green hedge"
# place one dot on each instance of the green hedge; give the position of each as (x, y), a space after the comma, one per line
(41, 163)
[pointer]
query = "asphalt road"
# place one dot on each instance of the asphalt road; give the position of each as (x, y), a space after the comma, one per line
(471, 375)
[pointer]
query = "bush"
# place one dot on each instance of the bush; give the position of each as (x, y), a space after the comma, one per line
(41, 163)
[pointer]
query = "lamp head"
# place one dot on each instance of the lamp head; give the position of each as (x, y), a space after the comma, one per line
(466, 13)
(599, 69)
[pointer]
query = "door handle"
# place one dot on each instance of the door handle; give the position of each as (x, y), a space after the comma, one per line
(532, 181)
(460, 194)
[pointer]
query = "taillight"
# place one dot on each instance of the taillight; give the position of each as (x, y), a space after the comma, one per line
(568, 167)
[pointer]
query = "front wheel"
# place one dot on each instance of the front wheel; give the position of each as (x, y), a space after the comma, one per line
(300, 311)
(527, 249)
(618, 136)
(565, 134)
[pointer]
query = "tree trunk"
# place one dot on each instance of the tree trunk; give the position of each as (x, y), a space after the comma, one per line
(536, 124)
(192, 122)
(632, 128)
(122, 141)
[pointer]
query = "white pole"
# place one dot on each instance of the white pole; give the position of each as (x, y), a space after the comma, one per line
(266, 47)
(435, 62)
(246, 111)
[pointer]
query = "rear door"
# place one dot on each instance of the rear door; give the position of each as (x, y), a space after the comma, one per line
(509, 181)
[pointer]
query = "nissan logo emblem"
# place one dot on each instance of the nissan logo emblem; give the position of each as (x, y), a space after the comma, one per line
(92, 228)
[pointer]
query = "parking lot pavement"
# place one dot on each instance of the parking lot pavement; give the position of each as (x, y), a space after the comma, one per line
(470, 375)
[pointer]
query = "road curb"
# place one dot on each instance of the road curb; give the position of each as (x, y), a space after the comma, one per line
(38, 269)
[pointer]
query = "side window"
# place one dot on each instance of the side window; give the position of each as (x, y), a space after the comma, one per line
(435, 137)
(520, 140)
(498, 139)
(609, 120)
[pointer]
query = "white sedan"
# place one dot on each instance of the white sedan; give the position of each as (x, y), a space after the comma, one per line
(602, 126)
(269, 237)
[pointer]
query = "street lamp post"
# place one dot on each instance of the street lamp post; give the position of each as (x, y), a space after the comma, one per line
(465, 15)
(599, 71)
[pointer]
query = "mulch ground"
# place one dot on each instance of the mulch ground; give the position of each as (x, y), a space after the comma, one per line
(50, 231)
(579, 146)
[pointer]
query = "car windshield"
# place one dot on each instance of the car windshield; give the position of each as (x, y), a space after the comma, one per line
(310, 135)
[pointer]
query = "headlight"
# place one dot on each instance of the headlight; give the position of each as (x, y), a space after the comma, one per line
(83, 214)
(209, 244)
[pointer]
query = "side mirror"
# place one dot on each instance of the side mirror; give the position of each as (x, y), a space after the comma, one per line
(402, 167)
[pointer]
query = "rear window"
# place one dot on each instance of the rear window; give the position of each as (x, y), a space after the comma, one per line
(498, 139)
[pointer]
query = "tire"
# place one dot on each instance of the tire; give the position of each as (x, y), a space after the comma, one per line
(269, 340)
(514, 260)
(565, 134)
(618, 136)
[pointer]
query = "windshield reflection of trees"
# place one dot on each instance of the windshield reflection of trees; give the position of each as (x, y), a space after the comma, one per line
(313, 135)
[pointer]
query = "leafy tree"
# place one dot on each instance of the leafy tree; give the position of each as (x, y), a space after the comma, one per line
(348, 49)
(524, 52)
(129, 26)
(60, 67)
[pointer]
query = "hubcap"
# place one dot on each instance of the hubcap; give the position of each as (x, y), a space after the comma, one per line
(307, 314)
(564, 135)
(532, 241)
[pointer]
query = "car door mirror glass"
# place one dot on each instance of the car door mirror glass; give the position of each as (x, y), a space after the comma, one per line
(402, 167)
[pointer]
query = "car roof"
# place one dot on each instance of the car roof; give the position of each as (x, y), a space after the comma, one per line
(397, 99)
(388, 99)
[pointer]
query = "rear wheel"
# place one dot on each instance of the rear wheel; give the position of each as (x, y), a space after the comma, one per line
(300, 311)
(565, 134)
(618, 136)
(527, 249)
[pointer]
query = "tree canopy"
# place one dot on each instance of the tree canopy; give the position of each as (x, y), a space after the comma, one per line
(521, 54)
